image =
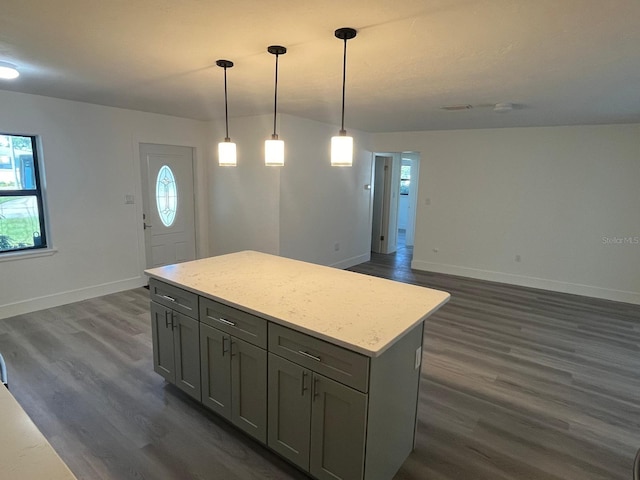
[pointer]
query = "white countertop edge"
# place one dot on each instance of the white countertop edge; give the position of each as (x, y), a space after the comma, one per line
(336, 341)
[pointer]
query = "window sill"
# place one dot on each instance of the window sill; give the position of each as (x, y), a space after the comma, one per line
(45, 252)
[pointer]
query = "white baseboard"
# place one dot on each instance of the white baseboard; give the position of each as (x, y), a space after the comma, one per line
(350, 262)
(533, 282)
(63, 298)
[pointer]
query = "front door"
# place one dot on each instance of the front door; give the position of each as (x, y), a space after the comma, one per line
(168, 204)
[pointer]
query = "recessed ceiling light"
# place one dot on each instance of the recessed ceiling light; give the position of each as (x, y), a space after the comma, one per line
(455, 108)
(8, 71)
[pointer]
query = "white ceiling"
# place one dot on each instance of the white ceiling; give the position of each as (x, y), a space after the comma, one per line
(560, 62)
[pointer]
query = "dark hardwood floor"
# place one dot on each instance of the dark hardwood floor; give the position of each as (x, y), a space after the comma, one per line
(517, 383)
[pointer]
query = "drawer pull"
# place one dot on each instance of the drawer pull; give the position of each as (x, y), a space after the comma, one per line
(226, 322)
(306, 354)
(167, 297)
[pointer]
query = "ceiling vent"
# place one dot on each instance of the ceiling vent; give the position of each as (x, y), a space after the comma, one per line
(456, 108)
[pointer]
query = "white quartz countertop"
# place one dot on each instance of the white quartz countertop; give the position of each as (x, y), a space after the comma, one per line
(359, 312)
(24, 452)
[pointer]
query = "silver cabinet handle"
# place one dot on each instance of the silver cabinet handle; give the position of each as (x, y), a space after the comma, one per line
(226, 322)
(303, 388)
(173, 323)
(315, 393)
(166, 318)
(223, 350)
(167, 297)
(307, 354)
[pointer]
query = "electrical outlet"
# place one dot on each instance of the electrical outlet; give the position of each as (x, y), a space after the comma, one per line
(336, 246)
(427, 201)
(518, 258)
(129, 200)
(418, 358)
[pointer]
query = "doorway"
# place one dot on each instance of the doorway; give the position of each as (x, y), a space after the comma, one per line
(409, 170)
(167, 204)
(395, 179)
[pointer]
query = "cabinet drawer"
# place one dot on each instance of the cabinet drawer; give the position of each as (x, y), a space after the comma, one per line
(174, 298)
(347, 367)
(240, 324)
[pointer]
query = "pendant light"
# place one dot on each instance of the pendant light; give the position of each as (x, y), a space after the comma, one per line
(274, 148)
(226, 149)
(342, 145)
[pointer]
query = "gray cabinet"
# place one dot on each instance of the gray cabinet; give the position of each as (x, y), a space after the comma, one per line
(176, 348)
(338, 430)
(333, 412)
(216, 370)
(289, 410)
(315, 422)
(234, 380)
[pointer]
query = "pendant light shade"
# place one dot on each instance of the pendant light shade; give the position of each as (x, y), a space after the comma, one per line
(342, 151)
(342, 144)
(274, 148)
(227, 149)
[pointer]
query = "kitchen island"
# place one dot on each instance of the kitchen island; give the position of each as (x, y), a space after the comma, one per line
(319, 364)
(24, 452)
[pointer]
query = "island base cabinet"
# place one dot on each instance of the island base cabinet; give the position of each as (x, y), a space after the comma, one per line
(234, 380)
(289, 410)
(338, 430)
(216, 370)
(176, 349)
(315, 422)
(249, 388)
(164, 359)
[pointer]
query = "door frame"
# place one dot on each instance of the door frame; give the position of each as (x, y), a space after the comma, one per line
(392, 203)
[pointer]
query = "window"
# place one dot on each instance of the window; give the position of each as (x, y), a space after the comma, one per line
(166, 196)
(21, 204)
(405, 179)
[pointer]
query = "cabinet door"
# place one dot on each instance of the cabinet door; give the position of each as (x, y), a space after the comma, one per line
(289, 410)
(215, 358)
(163, 346)
(249, 388)
(338, 424)
(186, 337)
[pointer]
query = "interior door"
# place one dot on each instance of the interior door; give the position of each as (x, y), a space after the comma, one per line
(168, 204)
(385, 218)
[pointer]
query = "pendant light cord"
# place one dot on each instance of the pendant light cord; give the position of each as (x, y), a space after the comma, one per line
(344, 80)
(226, 110)
(275, 101)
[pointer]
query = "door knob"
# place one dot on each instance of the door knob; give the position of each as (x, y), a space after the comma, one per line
(146, 225)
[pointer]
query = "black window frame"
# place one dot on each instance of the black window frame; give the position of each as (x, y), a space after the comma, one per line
(36, 192)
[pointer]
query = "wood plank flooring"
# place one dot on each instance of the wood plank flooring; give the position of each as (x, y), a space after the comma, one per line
(517, 383)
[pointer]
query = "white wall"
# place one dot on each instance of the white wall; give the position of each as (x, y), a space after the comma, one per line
(547, 194)
(321, 205)
(300, 210)
(244, 200)
(91, 162)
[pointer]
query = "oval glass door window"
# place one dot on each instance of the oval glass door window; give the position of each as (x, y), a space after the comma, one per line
(166, 196)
